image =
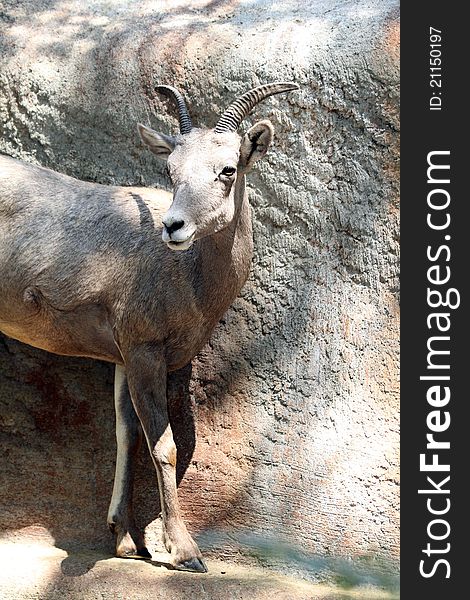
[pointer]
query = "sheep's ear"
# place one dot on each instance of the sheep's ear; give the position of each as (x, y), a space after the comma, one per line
(255, 143)
(160, 144)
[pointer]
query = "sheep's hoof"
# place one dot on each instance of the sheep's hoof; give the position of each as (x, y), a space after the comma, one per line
(194, 565)
(139, 554)
(131, 546)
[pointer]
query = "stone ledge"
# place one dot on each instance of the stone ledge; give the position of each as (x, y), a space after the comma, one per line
(42, 572)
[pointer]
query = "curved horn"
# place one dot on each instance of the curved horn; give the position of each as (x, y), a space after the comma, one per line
(183, 114)
(240, 109)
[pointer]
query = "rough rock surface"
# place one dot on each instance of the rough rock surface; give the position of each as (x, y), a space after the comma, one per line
(294, 403)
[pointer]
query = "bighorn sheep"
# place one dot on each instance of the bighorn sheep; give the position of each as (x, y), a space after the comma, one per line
(84, 272)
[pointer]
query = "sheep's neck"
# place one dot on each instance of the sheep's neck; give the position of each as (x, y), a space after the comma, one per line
(222, 261)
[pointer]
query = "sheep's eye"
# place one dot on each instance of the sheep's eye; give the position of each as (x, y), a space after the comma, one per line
(228, 171)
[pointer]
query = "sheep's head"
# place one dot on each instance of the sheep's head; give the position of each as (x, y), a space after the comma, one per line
(204, 164)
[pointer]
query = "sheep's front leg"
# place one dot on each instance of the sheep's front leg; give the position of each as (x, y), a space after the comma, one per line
(129, 540)
(147, 377)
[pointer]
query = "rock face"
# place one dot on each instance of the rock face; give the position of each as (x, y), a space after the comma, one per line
(294, 402)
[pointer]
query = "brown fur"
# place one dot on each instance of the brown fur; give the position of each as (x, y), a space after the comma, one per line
(84, 271)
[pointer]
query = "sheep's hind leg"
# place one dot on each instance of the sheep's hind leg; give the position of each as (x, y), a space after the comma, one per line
(129, 540)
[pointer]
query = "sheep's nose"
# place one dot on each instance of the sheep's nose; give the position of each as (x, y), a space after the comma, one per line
(172, 225)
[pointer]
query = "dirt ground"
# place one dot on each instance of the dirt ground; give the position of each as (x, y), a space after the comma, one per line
(42, 572)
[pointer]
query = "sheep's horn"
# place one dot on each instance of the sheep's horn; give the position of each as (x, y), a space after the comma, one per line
(240, 109)
(183, 114)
